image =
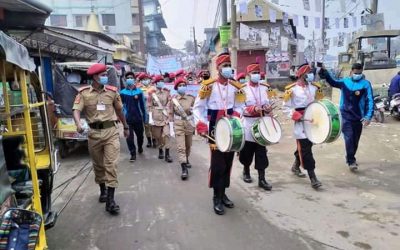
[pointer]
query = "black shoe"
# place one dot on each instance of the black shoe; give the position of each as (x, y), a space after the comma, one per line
(140, 150)
(315, 183)
(160, 153)
(133, 158)
(111, 206)
(227, 202)
(103, 193)
(297, 171)
(353, 167)
(188, 165)
(148, 142)
(167, 156)
(247, 178)
(218, 206)
(262, 183)
(185, 172)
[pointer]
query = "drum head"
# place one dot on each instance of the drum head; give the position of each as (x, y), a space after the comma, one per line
(318, 130)
(223, 135)
(270, 129)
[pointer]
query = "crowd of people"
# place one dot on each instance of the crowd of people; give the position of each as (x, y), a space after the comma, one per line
(146, 108)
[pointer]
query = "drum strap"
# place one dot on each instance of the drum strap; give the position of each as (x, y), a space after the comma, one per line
(222, 97)
(180, 108)
(155, 97)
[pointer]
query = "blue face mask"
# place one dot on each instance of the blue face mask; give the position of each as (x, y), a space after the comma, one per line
(242, 80)
(160, 85)
(255, 78)
(145, 82)
(182, 90)
(130, 81)
(103, 80)
(310, 77)
(226, 72)
(356, 77)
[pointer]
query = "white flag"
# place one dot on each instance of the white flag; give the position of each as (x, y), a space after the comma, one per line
(317, 22)
(264, 39)
(295, 20)
(244, 32)
(354, 21)
(284, 43)
(272, 15)
(242, 6)
(337, 22)
(300, 45)
(318, 5)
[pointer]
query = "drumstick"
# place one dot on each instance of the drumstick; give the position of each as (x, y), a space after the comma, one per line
(210, 138)
(265, 125)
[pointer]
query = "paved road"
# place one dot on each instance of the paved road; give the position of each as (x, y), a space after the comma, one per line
(159, 211)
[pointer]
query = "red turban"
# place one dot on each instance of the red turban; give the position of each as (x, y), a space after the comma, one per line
(179, 81)
(142, 76)
(240, 76)
(253, 67)
(262, 75)
(223, 58)
(158, 78)
(96, 68)
(180, 72)
(305, 69)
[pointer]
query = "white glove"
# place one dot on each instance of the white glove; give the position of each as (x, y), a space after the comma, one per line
(151, 121)
(171, 129)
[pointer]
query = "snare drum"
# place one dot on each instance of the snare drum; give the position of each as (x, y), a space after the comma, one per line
(266, 131)
(322, 122)
(229, 134)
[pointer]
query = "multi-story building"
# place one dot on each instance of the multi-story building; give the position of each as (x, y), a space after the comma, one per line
(153, 23)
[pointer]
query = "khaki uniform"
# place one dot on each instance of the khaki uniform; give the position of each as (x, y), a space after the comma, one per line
(147, 127)
(184, 127)
(160, 129)
(104, 144)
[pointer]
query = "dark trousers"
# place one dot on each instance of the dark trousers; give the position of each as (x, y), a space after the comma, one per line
(220, 169)
(253, 149)
(351, 133)
(304, 154)
(138, 129)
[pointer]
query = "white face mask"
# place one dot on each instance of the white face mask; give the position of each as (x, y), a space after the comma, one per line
(310, 77)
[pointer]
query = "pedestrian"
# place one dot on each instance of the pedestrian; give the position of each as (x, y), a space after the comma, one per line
(394, 87)
(257, 105)
(356, 108)
(181, 114)
(296, 98)
(216, 100)
(135, 114)
(146, 87)
(159, 117)
(102, 106)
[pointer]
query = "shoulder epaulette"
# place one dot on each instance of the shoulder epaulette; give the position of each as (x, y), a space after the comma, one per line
(265, 84)
(83, 88)
(112, 88)
(208, 82)
(317, 84)
(290, 86)
(237, 84)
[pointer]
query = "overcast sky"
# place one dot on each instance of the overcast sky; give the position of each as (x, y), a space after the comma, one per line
(182, 15)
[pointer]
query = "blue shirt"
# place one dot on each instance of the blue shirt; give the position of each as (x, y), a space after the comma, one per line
(394, 87)
(356, 99)
(134, 105)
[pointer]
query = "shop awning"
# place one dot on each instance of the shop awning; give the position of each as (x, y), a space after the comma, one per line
(15, 53)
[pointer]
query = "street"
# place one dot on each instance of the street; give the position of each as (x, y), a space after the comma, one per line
(159, 211)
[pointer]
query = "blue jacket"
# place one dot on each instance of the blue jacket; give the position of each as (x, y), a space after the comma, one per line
(134, 105)
(356, 99)
(394, 87)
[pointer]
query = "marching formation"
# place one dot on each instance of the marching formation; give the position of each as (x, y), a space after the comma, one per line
(234, 114)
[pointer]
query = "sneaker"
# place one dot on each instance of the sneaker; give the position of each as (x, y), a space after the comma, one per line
(353, 166)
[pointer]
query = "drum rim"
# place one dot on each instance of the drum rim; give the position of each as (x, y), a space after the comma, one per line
(230, 136)
(330, 122)
(265, 139)
(340, 120)
(243, 132)
(259, 131)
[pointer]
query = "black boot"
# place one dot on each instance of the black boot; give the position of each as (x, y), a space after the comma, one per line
(262, 183)
(154, 143)
(246, 174)
(133, 158)
(111, 206)
(103, 193)
(226, 201)
(188, 165)
(185, 173)
(148, 142)
(160, 153)
(315, 183)
(167, 156)
(140, 150)
(296, 169)
(217, 201)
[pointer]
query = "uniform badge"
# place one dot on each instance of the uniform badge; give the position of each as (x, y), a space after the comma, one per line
(136, 97)
(357, 93)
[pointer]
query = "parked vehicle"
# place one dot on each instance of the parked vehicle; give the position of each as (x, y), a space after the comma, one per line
(394, 107)
(379, 109)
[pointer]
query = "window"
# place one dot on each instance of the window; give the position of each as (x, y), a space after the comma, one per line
(108, 19)
(135, 19)
(58, 20)
(81, 20)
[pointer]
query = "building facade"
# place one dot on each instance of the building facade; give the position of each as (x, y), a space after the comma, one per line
(153, 24)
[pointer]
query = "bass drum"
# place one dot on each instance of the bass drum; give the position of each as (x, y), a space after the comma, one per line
(322, 122)
(229, 135)
(266, 131)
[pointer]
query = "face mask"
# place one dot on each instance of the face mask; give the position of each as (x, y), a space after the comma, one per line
(182, 90)
(356, 77)
(255, 78)
(226, 72)
(310, 77)
(160, 85)
(145, 82)
(103, 80)
(130, 82)
(242, 80)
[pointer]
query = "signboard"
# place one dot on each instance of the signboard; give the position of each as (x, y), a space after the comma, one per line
(161, 65)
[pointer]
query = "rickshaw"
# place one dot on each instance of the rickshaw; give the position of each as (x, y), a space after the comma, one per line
(28, 160)
(68, 78)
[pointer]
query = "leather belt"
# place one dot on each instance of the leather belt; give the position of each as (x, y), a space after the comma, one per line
(181, 118)
(102, 125)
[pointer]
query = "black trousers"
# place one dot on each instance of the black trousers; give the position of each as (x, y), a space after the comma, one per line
(304, 154)
(351, 133)
(253, 149)
(138, 129)
(220, 169)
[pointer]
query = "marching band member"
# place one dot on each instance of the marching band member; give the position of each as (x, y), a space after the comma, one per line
(241, 77)
(296, 98)
(159, 117)
(218, 98)
(181, 115)
(146, 87)
(257, 105)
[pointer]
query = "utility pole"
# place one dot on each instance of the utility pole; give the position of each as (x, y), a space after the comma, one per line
(374, 6)
(224, 12)
(195, 41)
(323, 29)
(234, 40)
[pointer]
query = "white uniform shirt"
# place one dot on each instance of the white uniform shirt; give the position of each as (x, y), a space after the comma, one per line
(300, 98)
(255, 96)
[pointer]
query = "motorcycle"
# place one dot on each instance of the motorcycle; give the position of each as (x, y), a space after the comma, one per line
(379, 109)
(395, 106)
